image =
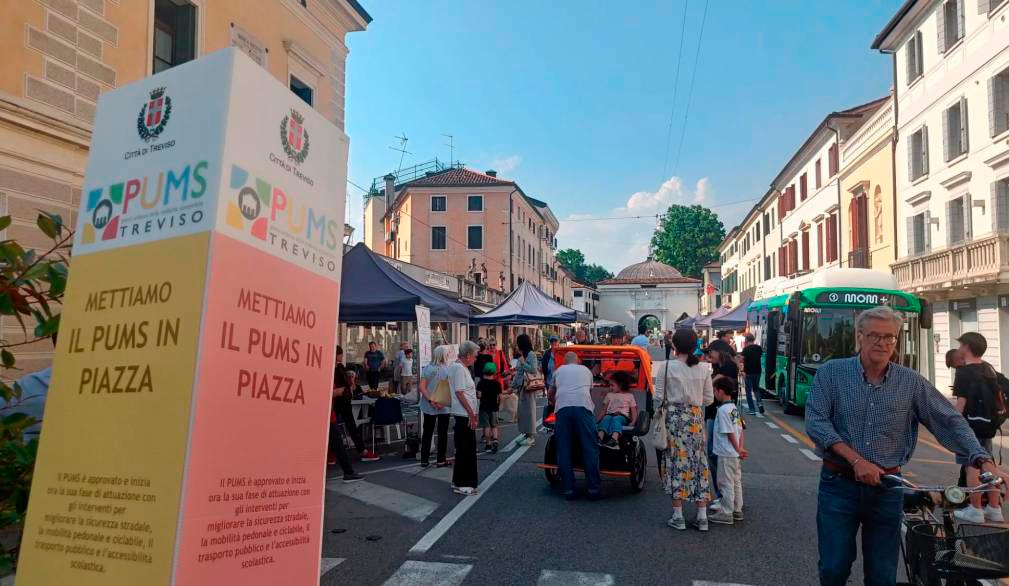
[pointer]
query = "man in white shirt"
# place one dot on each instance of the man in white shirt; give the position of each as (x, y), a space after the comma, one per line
(571, 396)
(738, 341)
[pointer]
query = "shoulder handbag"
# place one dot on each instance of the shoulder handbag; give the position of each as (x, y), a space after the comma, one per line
(442, 392)
(658, 435)
(532, 382)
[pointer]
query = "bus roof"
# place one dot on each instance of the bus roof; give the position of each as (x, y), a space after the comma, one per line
(855, 278)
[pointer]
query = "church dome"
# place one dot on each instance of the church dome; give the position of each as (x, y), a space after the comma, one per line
(650, 269)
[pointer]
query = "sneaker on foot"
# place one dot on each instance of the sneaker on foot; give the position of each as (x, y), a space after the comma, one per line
(715, 506)
(370, 456)
(701, 524)
(352, 477)
(993, 514)
(737, 516)
(721, 517)
(531, 441)
(441, 464)
(489, 449)
(464, 490)
(494, 449)
(761, 409)
(969, 515)
(678, 523)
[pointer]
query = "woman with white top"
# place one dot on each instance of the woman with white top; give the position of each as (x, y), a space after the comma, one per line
(686, 390)
(464, 409)
(435, 415)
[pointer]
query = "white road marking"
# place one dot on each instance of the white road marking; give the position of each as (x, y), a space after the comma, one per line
(402, 503)
(328, 564)
(557, 578)
(446, 522)
(789, 438)
(809, 454)
(707, 583)
(772, 425)
(443, 474)
(389, 469)
(416, 573)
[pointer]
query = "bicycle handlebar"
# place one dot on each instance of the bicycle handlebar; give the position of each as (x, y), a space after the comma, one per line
(989, 482)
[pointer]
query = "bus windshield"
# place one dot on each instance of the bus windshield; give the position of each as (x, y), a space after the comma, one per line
(827, 333)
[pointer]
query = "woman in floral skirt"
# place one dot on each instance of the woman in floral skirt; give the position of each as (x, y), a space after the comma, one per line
(686, 390)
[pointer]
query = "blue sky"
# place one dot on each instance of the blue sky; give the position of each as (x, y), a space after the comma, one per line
(572, 99)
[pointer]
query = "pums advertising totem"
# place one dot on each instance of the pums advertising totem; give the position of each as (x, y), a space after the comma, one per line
(184, 438)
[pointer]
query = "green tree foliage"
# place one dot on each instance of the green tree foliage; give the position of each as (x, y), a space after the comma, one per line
(687, 238)
(31, 291)
(574, 260)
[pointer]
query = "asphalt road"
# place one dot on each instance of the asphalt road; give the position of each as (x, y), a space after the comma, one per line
(405, 526)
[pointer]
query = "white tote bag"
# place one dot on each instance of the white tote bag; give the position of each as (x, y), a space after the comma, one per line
(658, 435)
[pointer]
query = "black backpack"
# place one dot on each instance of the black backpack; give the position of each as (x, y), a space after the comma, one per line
(987, 407)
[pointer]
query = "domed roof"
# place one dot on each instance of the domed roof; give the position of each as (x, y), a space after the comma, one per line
(650, 269)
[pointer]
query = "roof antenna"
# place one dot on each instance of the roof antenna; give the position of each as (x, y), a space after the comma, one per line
(401, 149)
(451, 149)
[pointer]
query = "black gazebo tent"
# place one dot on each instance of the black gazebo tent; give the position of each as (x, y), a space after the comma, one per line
(372, 291)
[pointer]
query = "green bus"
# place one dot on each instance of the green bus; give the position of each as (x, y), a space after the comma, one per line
(801, 330)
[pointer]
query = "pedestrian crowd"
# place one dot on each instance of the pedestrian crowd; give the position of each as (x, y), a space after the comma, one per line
(862, 413)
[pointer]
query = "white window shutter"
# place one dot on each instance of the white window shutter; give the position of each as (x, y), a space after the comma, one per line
(910, 158)
(994, 212)
(968, 217)
(949, 223)
(991, 106)
(920, 52)
(946, 150)
(910, 237)
(964, 127)
(924, 150)
(940, 26)
(960, 28)
(911, 60)
(983, 7)
(928, 230)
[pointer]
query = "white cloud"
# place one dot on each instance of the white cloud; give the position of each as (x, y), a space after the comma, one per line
(505, 165)
(617, 243)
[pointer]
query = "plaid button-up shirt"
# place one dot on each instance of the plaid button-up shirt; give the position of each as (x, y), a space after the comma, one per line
(880, 422)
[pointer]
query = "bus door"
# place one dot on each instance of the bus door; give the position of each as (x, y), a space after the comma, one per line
(771, 330)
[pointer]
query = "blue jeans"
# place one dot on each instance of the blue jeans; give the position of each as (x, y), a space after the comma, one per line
(576, 424)
(709, 427)
(842, 506)
(612, 424)
(752, 384)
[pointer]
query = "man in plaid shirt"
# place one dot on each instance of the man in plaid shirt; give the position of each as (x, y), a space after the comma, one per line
(863, 414)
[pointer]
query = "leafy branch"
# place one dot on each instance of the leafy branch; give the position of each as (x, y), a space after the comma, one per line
(32, 285)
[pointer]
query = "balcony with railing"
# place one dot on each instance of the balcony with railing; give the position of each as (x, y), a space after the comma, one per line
(985, 260)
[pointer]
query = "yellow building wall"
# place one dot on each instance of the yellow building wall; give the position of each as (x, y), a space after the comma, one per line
(59, 55)
(875, 167)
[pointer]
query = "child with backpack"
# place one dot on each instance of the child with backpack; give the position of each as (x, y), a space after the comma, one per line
(980, 393)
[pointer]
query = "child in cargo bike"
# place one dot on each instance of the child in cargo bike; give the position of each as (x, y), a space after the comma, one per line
(618, 409)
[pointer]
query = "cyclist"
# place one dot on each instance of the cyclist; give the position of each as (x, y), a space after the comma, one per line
(863, 414)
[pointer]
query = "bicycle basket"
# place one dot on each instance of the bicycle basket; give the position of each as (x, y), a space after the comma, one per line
(976, 551)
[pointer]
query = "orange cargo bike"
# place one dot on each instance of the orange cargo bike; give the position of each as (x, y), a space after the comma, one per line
(630, 460)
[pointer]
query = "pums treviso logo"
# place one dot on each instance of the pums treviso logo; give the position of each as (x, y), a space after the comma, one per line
(154, 115)
(168, 200)
(282, 219)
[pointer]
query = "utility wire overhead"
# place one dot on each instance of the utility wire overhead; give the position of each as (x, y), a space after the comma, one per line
(676, 87)
(690, 91)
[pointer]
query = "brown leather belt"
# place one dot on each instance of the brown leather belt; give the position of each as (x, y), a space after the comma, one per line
(846, 471)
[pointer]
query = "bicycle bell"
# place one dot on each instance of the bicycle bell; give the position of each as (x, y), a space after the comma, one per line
(955, 495)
